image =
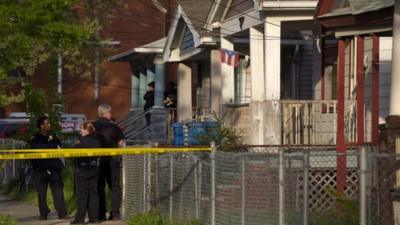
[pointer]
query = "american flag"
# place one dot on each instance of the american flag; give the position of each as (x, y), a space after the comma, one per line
(229, 57)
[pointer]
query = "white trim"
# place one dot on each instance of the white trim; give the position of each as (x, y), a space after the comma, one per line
(171, 32)
(228, 6)
(185, 55)
(211, 15)
(351, 32)
(209, 40)
(289, 4)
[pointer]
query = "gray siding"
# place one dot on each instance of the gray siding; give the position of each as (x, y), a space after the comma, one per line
(187, 41)
(306, 71)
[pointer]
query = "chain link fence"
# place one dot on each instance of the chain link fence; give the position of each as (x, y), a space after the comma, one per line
(9, 168)
(284, 186)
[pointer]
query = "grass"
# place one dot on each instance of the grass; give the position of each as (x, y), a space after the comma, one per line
(7, 220)
(154, 218)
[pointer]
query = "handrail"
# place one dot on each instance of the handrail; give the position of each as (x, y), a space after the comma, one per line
(132, 119)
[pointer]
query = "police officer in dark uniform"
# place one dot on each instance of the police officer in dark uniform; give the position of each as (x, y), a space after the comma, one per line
(110, 136)
(48, 171)
(86, 176)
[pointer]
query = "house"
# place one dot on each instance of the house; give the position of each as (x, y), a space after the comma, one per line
(285, 88)
(356, 50)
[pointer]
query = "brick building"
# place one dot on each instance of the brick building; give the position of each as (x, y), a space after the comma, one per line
(133, 24)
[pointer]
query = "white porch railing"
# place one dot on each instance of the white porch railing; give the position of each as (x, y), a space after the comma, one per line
(314, 122)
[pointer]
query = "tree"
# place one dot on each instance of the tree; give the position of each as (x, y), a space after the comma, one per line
(34, 32)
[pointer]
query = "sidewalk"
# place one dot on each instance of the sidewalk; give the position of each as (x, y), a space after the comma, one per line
(27, 214)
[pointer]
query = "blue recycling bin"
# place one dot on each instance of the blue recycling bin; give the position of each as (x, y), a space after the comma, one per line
(179, 138)
(195, 132)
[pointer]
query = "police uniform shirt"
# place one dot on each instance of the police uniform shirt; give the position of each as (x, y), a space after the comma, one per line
(108, 133)
(48, 141)
(87, 142)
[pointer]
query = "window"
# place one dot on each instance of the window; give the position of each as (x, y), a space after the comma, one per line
(242, 85)
(17, 74)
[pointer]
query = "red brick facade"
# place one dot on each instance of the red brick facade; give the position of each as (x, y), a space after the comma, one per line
(136, 23)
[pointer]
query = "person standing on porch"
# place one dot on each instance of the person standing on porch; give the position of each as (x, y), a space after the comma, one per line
(149, 101)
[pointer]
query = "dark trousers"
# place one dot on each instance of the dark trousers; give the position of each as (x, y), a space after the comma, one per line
(86, 189)
(148, 117)
(110, 174)
(42, 179)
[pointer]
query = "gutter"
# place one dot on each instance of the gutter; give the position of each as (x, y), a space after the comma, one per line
(289, 5)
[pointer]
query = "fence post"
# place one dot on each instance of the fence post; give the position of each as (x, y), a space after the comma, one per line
(196, 188)
(171, 187)
(305, 189)
(144, 209)
(281, 187)
(213, 148)
(13, 164)
(243, 181)
(123, 207)
(363, 186)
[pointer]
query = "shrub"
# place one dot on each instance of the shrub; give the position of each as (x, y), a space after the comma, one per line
(155, 218)
(345, 211)
(225, 136)
(7, 220)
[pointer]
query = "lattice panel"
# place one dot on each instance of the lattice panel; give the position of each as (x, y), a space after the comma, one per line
(320, 181)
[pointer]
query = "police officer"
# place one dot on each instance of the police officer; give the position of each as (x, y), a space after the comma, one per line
(48, 171)
(86, 176)
(110, 136)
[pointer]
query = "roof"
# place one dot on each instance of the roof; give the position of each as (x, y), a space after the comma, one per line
(356, 7)
(155, 47)
(197, 12)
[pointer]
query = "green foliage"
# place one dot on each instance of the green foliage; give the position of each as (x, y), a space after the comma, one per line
(345, 211)
(224, 135)
(32, 32)
(154, 218)
(7, 220)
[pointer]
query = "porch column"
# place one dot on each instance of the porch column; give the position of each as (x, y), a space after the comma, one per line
(216, 81)
(227, 75)
(184, 77)
(257, 65)
(360, 90)
(134, 87)
(142, 86)
(340, 134)
(257, 105)
(159, 83)
(271, 119)
(375, 89)
(394, 108)
(272, 59)
(149, 74)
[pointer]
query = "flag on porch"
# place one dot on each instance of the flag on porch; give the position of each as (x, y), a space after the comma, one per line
(229, 57)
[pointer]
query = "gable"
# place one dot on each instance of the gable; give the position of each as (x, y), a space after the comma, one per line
(182, 38)
(187, 42)
(238, 7)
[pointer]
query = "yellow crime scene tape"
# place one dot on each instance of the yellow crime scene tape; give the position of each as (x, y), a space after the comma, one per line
(89, 152)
